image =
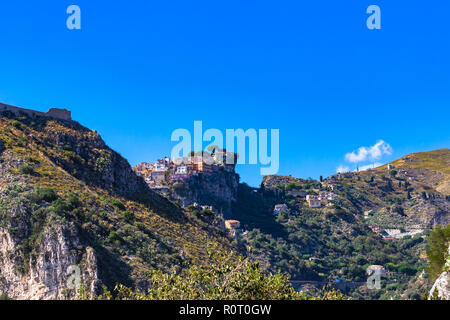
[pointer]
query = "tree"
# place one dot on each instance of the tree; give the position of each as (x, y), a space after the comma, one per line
(226, 277)
(437, 250)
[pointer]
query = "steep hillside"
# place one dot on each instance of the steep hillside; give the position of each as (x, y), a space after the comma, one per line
(412, 186)
(67, 201)
(431, 168)
(380, 216)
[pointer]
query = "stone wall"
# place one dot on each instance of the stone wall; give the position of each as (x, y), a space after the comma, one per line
(62, 114)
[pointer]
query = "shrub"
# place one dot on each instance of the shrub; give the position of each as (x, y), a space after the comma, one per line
(408, 270)
(16, 124)
(26, 169)
(46, 194)
(128, 215)
(73, 202)
(438, 243)
(114, 236)
(228, 277)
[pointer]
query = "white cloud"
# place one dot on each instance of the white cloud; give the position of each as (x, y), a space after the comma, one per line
(342, 169)
(374, 152)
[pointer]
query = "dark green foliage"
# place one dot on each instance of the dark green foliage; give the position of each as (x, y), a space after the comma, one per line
(26, 169)
(16, 124)
(227, 277)
(114, 236)
(408, 270)
(118, 205)
(46, 194)
(437, 249)
(128, 215)
(4, 297)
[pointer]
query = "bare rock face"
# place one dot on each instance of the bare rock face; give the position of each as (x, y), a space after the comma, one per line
(218, 189)
(56, 269)
(441, 287)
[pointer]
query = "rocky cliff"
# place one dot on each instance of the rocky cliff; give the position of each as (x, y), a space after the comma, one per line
(441, 287)
(74, 215)
(217, 189)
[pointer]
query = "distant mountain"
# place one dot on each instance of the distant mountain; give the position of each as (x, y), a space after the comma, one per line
(432, 168)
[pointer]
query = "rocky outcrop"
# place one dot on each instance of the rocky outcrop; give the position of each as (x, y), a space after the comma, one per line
(217, 189)
(55, 269)
(441, 287)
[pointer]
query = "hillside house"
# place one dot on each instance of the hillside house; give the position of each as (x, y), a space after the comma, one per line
(279, 208)
(203, 167)
(182, 170)
(178, 177)
(314, 203)
(333, 186)
(368, 213)
(232, 224)
(156, 177)
(324, 195)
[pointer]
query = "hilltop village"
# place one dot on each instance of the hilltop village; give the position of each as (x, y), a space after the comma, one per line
(166, 171)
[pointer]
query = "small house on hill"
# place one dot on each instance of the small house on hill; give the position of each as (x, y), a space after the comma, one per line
(279, 208)
(232, 224)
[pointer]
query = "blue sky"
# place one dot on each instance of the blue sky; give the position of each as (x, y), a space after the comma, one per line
(138, 70)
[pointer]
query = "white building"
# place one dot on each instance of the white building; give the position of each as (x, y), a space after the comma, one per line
(314, 203)
(181, 169)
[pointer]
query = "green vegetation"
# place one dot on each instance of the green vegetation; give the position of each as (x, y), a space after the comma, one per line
(26, 169)
(130, 229)
(437, 250)
(118, 204)
(327, 243)
(228, 277)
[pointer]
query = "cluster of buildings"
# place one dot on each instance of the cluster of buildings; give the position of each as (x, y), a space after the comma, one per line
(332, 182)
(166, 171)
(315, 201)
